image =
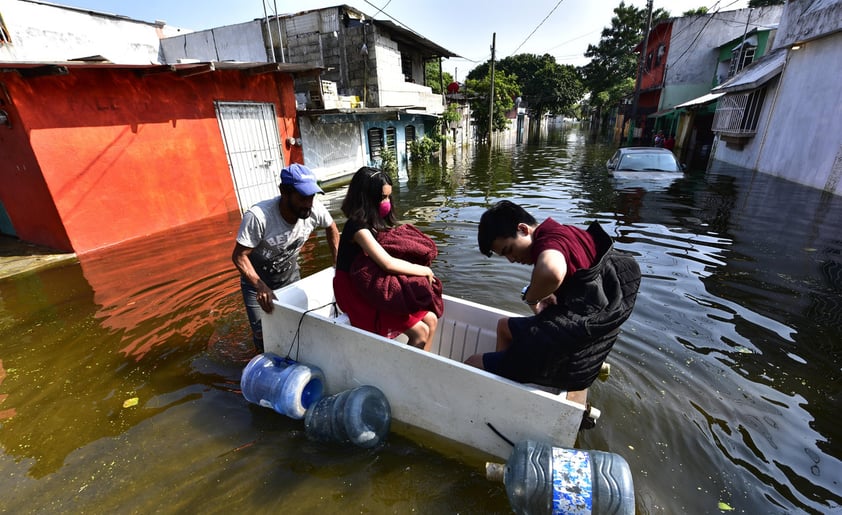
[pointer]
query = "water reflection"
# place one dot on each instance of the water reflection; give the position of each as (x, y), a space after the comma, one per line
(80, 340)
(725, 383)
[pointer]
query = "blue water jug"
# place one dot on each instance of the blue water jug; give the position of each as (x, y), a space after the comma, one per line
(542, 479)
(361, 416)
(282, 384)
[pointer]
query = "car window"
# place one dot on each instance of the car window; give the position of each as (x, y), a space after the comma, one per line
(648, 162)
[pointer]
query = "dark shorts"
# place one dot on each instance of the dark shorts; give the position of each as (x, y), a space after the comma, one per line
(525, 359)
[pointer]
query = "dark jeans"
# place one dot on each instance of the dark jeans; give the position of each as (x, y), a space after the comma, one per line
(253, 310)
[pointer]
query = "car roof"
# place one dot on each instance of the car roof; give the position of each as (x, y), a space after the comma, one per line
(643, 150)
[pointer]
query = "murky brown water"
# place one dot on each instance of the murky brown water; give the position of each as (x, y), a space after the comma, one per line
(724, 388)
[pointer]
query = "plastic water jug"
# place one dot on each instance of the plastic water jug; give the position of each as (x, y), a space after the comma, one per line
(542, 479)
(361, 416)
(282, 384)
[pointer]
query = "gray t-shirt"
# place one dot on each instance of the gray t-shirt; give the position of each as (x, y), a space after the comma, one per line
(276, 243)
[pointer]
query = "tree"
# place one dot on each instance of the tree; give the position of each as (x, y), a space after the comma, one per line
(432, 77)
(505, 91)
(695, 12)
(546, 86)
(613, 60)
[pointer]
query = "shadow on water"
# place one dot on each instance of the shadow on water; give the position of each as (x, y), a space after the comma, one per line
(724, 386)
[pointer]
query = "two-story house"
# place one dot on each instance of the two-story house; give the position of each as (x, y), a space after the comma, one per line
(370, 94)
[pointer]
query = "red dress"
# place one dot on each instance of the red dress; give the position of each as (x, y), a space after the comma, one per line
(361, 313)
(364, 316)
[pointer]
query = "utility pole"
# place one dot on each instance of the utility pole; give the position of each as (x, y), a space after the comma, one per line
(641, 63)
(491, 90)
(443, 128)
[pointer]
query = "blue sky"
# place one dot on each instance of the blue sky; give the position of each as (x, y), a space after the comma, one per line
(561, 28)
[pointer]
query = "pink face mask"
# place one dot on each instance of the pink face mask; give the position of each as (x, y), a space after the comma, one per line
(385, 208)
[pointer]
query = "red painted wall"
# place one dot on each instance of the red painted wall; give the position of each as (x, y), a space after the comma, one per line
(654, 76)
(24, 193)
(112, 155)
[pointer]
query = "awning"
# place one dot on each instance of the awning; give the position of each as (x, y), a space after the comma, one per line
(756, 74)
(661, 113)
(702, 100)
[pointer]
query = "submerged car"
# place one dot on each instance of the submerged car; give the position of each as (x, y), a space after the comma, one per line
(645, 164)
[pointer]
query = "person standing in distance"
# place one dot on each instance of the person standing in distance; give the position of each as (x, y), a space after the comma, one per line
(270, 237)
(581, 291)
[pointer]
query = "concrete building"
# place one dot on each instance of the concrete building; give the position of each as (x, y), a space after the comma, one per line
(96, 152)
(370, 94)
(782, 115)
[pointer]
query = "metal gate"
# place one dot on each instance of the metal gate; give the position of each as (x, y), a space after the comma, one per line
(252, 145)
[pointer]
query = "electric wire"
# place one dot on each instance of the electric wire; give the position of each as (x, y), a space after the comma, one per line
(699, 34)
(537, 27)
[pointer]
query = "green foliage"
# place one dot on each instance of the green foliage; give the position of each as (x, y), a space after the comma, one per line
(505, 91)
(451, 114)
(613, 60)
(388, 161)
(695, 12)
(432, 77)
(546, 86)
(424, 148)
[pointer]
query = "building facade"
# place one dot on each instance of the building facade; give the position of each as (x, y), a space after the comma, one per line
(369, 95)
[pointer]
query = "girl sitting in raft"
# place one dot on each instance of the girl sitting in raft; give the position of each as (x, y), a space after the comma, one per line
(368, 208)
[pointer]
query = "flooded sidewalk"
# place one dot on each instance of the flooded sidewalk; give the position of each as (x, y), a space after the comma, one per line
(18, 257)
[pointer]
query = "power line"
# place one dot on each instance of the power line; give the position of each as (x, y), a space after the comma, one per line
(698, 35)
(380, 9)
(538, 27)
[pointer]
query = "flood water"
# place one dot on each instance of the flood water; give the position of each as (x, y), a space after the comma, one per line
(119, 375)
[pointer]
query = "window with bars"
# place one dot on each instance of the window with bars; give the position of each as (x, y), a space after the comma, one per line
(392, 140)
(375, 143)
(409, 137)
(741, 59)
(737, 114)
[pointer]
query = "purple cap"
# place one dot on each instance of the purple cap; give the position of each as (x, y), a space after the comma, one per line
(301, 178)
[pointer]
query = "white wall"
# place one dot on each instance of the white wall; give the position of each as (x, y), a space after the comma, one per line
(42, 32)
(240, 42)
(804, 136)
(393, 90)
